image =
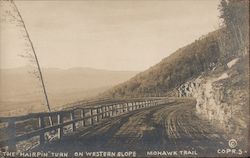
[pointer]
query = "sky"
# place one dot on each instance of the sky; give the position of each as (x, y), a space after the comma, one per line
(105, 34)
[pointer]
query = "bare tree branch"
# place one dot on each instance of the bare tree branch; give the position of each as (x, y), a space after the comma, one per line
(17, 18)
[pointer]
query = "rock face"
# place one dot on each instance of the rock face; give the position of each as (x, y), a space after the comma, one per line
(221, 96)
(190, 88)
(208, 97)
(210, 100)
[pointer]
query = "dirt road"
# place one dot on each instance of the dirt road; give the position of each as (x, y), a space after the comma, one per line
(172, 126)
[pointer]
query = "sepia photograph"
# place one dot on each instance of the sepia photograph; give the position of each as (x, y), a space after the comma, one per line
(124, 78)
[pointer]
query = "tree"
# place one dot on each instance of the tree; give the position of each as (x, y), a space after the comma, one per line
(235, 15)
(16, 17)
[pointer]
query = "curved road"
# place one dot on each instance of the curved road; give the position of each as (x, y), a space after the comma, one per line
(172, 126)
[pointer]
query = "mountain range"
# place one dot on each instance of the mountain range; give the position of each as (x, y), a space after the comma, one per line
(21, 90)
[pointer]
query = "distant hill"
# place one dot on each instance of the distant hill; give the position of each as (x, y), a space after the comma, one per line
(20, 90)
(184, 64)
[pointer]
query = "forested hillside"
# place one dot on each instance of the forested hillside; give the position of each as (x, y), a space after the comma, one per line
(212, 50)
(184, 64)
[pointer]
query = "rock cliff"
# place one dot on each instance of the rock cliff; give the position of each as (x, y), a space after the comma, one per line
(222, 96)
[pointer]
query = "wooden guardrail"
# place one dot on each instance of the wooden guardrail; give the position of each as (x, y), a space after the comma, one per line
(82, 116)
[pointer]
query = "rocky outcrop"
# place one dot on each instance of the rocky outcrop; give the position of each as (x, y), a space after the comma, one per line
(210, 100)
(190, 88)
(221, 96)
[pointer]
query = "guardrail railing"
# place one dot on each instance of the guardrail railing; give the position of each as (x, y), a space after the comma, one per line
(23, 128)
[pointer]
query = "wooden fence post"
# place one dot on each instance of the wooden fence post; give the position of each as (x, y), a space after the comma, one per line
(110, 108)
(133, 106)
(123, 107)
(104, 111)
(12, 133)
(41, 125)
(114, 110)
(60, 129)
(117, 111)
(92, 118)
(82, 116)
(99, 112)
(120, 108)
(108, 111)
(128, 107)
(72, 117)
